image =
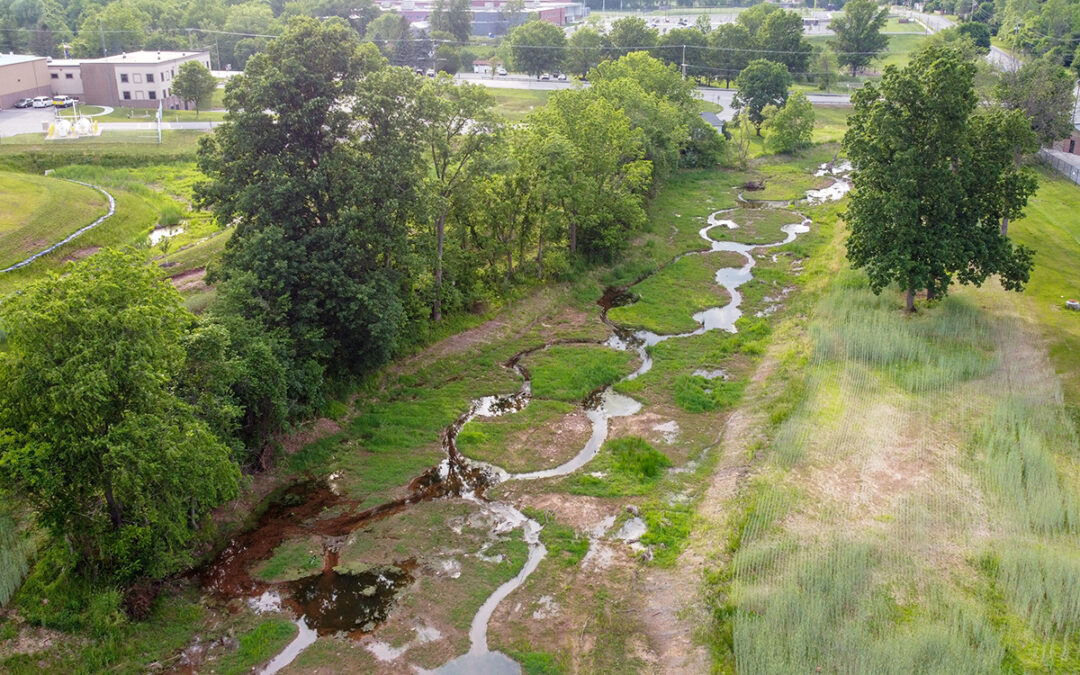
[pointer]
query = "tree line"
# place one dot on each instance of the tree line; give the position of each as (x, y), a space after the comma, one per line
(366, 203)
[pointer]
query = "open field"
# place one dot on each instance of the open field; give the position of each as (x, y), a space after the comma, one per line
(515, 104)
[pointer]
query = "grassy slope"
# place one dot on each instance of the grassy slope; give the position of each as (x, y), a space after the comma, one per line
(36, 212)
(1051, 228)
(914, 491)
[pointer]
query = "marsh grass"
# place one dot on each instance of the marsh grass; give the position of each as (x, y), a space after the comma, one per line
(291, 560)
(668, 299)
(18, 546)
(570, 373)
(922, 353)
(257, 646)
(625, 466)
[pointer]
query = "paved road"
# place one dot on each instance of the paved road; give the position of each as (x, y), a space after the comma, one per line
(998, 58)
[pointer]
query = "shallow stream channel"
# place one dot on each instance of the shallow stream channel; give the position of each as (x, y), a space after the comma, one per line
(334, 599)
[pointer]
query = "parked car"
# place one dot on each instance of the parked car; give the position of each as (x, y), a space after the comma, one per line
(562, 77)
(43, 101)
(419, 71)
(24, 103)
(545, 76)
(500, 71)
(63, 101)
(430, 72)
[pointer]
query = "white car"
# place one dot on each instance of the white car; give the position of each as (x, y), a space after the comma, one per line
(562, 77)
(43, 102)
(500, 71)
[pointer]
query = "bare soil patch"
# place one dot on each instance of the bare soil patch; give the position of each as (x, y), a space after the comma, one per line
(81, 253)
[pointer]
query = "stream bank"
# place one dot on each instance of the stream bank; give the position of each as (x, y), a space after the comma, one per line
(480, 488)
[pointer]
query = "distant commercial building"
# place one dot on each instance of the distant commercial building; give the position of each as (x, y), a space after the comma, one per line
(136, 80)
(65, 77)
(22, 77)
(489, 16)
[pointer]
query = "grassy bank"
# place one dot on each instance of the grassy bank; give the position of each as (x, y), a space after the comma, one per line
(912, 490)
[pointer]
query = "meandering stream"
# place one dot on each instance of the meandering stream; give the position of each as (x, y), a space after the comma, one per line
(460, 477)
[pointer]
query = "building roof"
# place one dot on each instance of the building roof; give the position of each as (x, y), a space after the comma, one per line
(713, 119)
(147, 57)
(12, 59)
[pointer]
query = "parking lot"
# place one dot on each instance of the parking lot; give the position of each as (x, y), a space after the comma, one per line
(24, 120)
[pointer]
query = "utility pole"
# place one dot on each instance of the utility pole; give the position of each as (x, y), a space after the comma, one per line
(104, 53)
(684, 62)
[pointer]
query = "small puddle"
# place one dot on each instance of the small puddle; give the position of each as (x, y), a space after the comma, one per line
(159, 233)
(332, 602)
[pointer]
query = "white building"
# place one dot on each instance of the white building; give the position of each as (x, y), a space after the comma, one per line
(137, 80)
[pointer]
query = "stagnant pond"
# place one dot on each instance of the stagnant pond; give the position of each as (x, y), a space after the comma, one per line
(357, 602)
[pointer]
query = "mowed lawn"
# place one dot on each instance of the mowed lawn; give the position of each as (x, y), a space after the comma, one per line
(37, 211)
(1050, 227)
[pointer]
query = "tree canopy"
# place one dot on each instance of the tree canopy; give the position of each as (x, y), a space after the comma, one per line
(319, 191)
(194, 84)
(927, 168)
(858, 33)
(536, 47)
(1043, 91)
(761, 83)
(92, 432)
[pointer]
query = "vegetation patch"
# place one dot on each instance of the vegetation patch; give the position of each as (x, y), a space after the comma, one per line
(37, 212)
(668, 299)
(292, 560)
(570, 373)
(625, 466)
(697, 394)
(564, 544)
(755, 226)
(257, 646)
(543, 434)
(944, 345)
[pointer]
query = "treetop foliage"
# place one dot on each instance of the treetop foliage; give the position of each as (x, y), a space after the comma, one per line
(921, 213)
(93, 431)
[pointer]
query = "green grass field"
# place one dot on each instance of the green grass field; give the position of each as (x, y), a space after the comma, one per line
(515, 104)
(38, 211)
(1050, 227)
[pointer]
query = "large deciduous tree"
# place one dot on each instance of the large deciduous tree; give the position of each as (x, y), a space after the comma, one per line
(536, 47)
(790, 127)
(1043, 90)
(925, 209)
(454, 17)
(318, 166)
(781, 39)
(584, 49)
(194, 84)
(630, 34)
(730, 54)
(761, 83)
(656, 99)
(858, 33)
(92, 432)
(458, 126)
(601, 179)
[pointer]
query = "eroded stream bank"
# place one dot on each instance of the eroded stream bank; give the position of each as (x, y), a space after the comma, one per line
(355, 599)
